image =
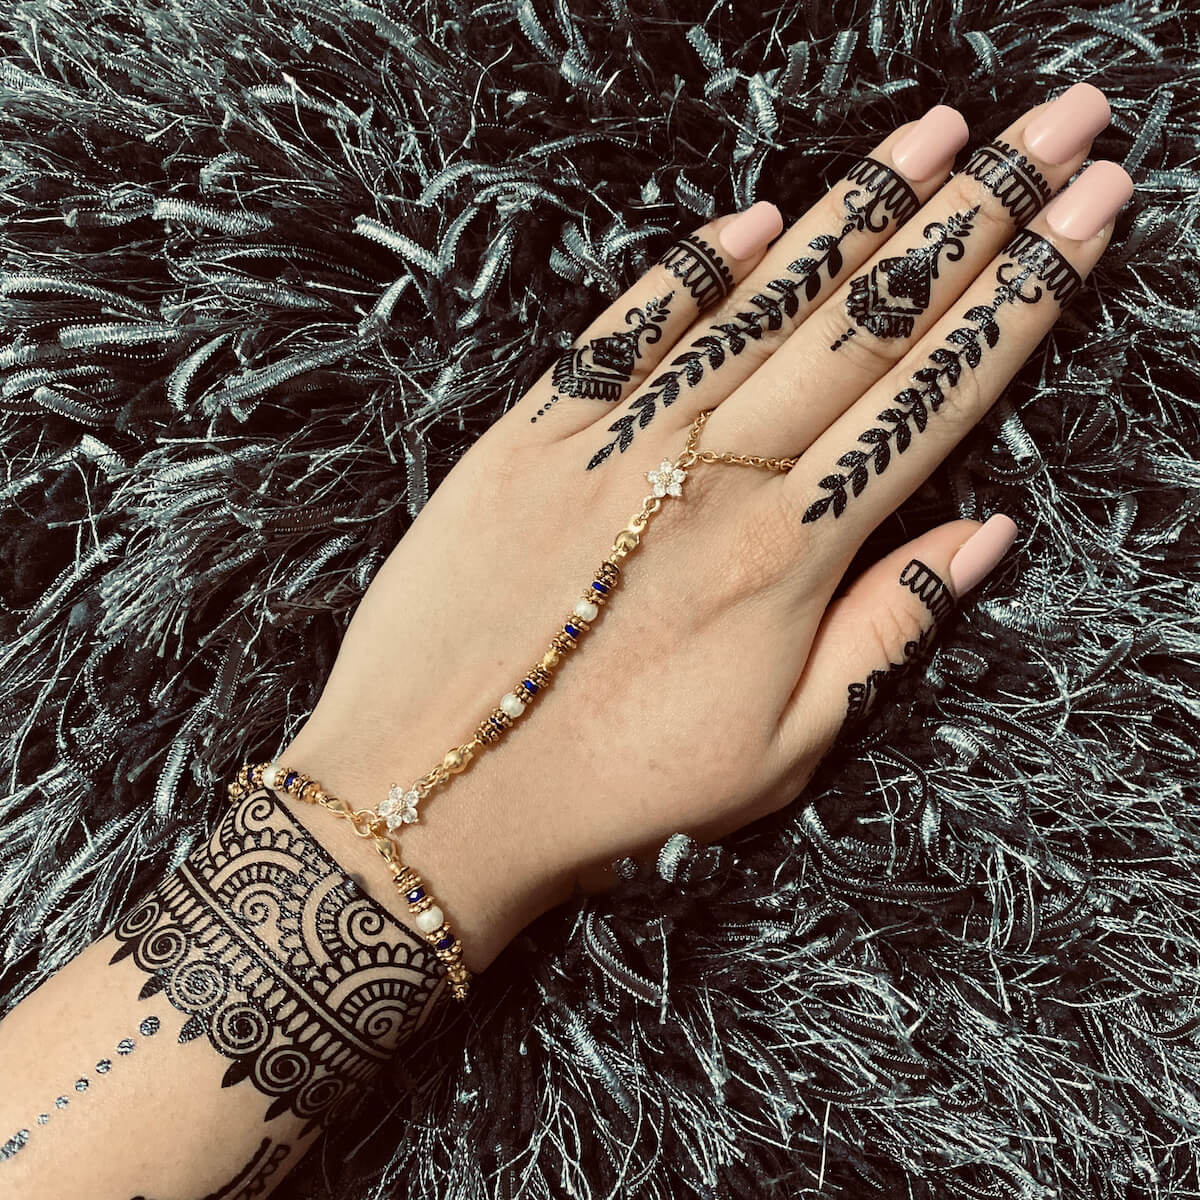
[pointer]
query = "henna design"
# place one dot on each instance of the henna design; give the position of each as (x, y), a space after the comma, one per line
(601, 368)
(700, 269)
(928, 588)
(1010, 177)
(125, 1047)
(887, 300)
(1030, 263)
(861, 695)
(883, 198)
(281, 960)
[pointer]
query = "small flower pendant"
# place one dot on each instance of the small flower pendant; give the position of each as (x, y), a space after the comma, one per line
(400, 807)
(666, 479)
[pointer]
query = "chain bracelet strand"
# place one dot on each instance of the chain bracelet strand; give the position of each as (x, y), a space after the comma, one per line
(400, 807)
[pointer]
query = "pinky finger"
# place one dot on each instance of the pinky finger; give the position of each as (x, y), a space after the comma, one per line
(882, 625)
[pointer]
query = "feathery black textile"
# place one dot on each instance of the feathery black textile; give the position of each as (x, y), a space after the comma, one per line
(268, 267)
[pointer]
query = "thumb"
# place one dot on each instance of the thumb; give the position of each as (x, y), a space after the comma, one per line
(884, 621)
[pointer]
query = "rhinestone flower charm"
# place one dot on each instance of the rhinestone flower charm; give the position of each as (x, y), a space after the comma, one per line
(400, 807)
(666, 479)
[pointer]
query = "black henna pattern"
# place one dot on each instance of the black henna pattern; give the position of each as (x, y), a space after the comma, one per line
(601, 367)
(882, 199)
(860, 696)
(1031, 269)
(887, 300)
(700, 269)
(1010, 177)
(281, 960)
(928, 587)
(124, 1048)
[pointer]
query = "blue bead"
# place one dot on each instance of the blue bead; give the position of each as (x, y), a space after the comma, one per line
(571, 630)
(529, 686)
(496, 723)
(445, 943)
(288, 779)
(415, 895)
(599, 587)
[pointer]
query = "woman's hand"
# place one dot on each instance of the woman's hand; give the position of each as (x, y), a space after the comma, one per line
(868, 340)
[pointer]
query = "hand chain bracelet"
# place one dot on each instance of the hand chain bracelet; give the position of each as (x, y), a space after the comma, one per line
(400, 807)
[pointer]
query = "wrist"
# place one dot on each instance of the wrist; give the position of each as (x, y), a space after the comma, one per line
(490, 873)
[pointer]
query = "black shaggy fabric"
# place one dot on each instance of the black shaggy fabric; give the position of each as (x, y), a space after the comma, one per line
(268, 267)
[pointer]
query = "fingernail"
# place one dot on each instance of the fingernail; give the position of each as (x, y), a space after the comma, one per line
(750, 231)
(980, 553)
(1096, 196)
(1066, 126)
(931, 144)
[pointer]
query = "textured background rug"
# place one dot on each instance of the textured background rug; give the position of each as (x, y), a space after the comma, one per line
(269, 267)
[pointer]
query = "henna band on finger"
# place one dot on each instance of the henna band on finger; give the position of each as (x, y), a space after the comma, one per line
(1010, 177)
(700, 269)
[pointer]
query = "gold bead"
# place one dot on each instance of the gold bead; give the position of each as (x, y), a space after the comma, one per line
(551, 659)
(626, 540)
(456, 760)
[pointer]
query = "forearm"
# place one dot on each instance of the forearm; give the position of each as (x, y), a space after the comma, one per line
(231, 1015)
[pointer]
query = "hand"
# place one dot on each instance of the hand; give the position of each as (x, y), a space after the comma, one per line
(868, 340)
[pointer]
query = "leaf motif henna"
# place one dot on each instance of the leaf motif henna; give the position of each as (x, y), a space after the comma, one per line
(281, 960)
(1032, 268)
(883, 198)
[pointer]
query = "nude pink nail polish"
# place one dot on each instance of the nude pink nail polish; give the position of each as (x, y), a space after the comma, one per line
(751, 230)
(931, 144)
(1067, 125)
(1087, 206)
(981, 552)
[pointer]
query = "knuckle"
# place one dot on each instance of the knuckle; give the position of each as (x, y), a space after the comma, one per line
(895, 627)
(992, 219)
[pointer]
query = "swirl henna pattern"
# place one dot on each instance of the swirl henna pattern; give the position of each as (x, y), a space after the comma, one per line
(882, 198)
(282, 961)
(1032, 268)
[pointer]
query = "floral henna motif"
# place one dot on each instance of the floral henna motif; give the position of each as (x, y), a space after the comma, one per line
(1032, 268)
(282, 961)
(888, 299)
(882, 198)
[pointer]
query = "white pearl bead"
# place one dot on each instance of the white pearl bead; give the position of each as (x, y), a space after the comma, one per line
(269, 776)
(586, 609)
(430, 919)
(511, 705)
